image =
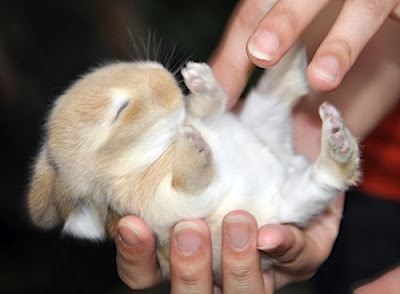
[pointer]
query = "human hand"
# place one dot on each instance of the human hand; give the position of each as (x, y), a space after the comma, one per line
(190, 256)
(298, 253)
(275, 31)
(136, 258)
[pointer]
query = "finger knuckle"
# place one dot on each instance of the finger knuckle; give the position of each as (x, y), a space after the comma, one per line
(135, 275)
(395, 14)
(244, 19)
(289, 256)
(128, 281)
(343, 49)
(189, 276)
(376, 8)
(346, 49)
(127, 257)
(241, 273)
(136, 281)
(290, 18)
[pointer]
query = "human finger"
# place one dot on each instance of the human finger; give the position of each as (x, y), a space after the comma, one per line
(191, 258)
(356, 24)
(299, 253)
(280, 28)
(395, 14)
(230, 62)
(240, 257)
(136, 258)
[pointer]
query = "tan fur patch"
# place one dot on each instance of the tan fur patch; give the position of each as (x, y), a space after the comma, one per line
(112, 222)
(40, 203)
(133, 111)
(148, 182)
(165, 88)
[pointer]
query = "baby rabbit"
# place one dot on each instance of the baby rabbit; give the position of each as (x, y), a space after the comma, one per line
(123, 140)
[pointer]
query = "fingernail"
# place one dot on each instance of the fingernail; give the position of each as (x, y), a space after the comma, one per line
(327, 67)
(267, 247)
(269, 5)
(188, 237)
(129, 234)
(237, 231)
(264, 45)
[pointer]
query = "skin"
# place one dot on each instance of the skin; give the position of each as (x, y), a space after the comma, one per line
(372, 86)
(288, 20)
(388, 283)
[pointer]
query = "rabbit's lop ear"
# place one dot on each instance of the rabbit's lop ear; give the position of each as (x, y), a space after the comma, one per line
(41, 205)
(49, 204)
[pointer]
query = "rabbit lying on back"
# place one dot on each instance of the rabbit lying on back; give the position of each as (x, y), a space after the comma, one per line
(124, 140)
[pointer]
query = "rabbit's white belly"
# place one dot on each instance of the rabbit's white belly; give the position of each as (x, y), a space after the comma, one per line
(248, 176)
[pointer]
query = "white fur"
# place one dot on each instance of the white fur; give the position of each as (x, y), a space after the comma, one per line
(158, 138)
(119, 97)
(254, 164)
(86, 224)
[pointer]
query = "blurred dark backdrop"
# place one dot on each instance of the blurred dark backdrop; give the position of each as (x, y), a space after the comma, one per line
(44, 46)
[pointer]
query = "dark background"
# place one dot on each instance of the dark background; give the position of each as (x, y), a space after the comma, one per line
(44, 46)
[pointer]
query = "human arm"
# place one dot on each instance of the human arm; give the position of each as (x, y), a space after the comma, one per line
(388, 283)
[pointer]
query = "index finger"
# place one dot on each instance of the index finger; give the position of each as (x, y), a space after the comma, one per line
(348, 37)
(136, 254)
(280, 28)
(230, 62)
